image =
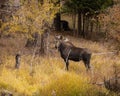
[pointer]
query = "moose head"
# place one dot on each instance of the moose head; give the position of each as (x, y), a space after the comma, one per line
(59, 39)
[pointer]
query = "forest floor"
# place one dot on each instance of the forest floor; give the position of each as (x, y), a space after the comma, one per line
(48, 77)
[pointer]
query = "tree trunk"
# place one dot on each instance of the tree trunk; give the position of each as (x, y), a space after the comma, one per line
(44, 43)
(17, 59)
(79, 23)
(57, 23)
(91, 30)
(74, 24)
(87, 27)
(83, 31)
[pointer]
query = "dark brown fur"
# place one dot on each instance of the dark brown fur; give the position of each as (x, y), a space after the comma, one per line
(69, 52)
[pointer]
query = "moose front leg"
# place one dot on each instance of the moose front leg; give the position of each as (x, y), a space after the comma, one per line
(67, 64)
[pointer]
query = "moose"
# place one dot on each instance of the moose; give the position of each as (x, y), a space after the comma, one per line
(70, 52)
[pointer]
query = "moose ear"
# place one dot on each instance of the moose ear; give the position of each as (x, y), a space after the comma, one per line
(59, 37)
(56, 37)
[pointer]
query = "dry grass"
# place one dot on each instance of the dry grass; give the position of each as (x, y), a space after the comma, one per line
(49, 77)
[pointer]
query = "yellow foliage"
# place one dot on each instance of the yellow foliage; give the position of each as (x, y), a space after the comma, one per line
(111, 23)
(31, 16)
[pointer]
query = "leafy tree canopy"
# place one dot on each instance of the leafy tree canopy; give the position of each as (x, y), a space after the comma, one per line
(86, 5)
(32, 16)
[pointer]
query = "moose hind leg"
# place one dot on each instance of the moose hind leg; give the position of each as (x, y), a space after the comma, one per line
(87, 64)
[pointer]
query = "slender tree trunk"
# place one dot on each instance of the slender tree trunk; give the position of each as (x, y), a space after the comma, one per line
(44, 43)
(91, 30)
(74, 24)
(98, 27)
(79, 23)
(17, 59)
(87, 26)
(83, 31)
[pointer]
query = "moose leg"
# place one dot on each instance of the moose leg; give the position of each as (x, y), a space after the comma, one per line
(67, 64)
(86, 60)
(87, 64)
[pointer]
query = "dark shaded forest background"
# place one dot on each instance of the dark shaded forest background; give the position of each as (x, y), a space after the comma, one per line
(90, 19)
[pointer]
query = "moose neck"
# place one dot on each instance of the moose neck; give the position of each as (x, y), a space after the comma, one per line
(61, 47)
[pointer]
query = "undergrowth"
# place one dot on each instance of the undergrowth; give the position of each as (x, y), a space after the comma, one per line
(49, 78)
